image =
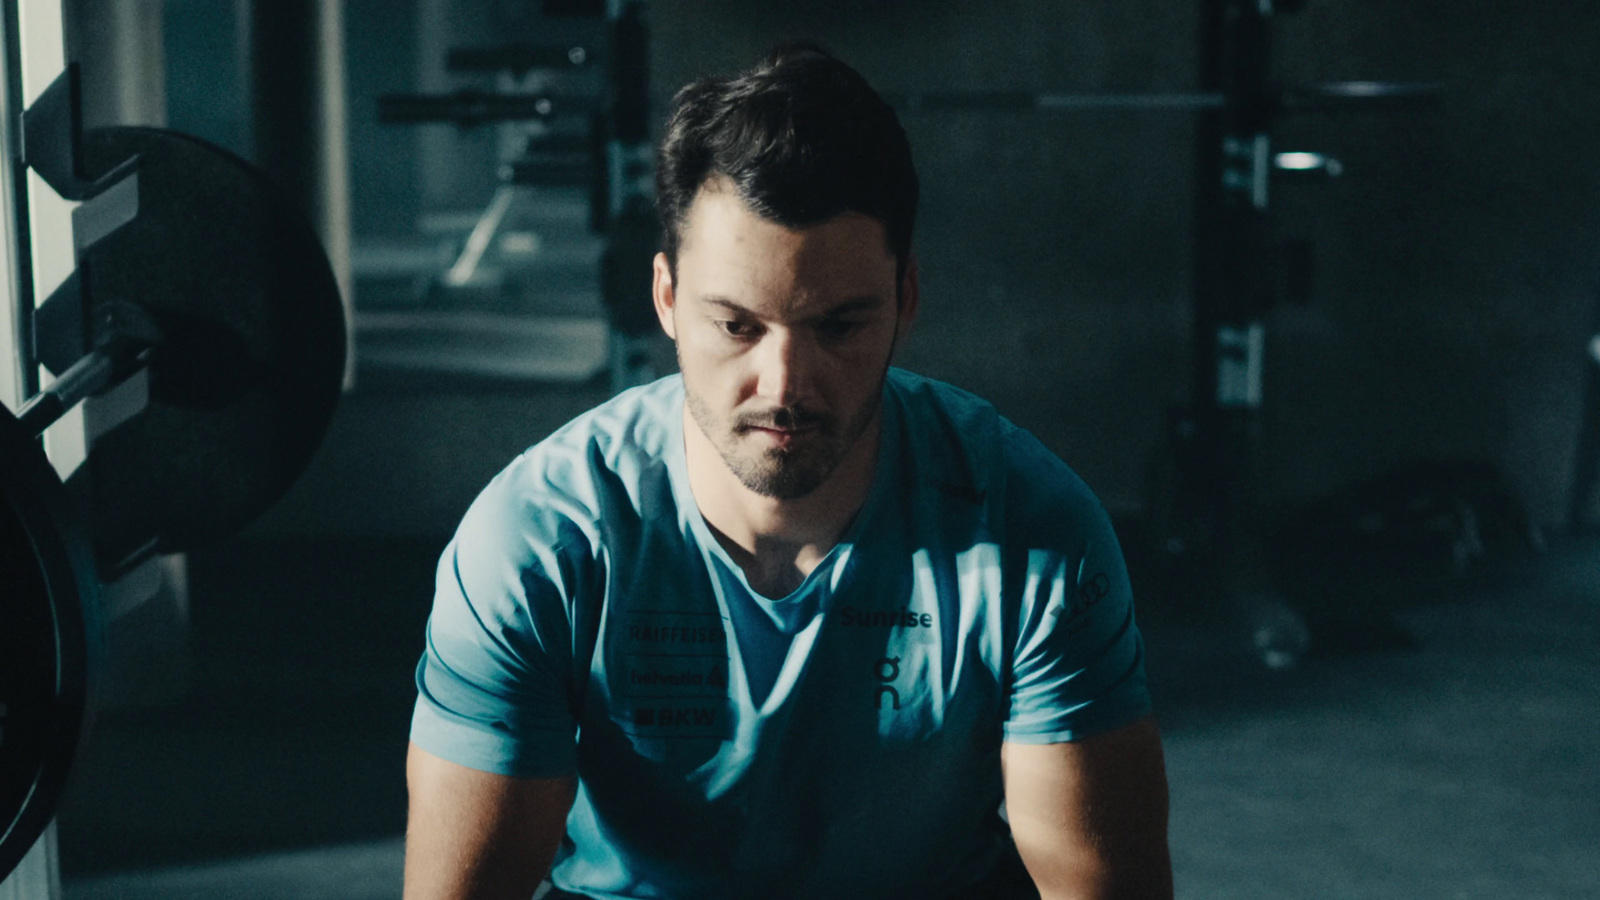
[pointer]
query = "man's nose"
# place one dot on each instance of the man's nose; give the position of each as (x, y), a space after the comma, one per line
(784, 367)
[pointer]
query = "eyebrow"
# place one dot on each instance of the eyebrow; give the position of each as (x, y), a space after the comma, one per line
(851, 305)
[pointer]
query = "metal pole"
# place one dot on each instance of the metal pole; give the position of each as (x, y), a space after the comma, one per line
(1232, 167)
(297, 98)
(629, 191)
(38, 875)
(120, 50)
(14, 186)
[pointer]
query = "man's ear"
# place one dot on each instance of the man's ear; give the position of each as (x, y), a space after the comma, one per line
(661, 292)
(910, 295)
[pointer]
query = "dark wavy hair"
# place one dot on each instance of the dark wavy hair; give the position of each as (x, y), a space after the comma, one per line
(802, 136)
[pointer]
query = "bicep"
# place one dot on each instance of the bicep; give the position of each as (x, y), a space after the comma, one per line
(1078, 664)
(474, 834)
(1090, 817)
(494, 685)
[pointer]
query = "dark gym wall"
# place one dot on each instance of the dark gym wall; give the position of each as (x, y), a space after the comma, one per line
(1462, 255)
(205, 73)
(381, 57)
(1053, 248)
(206, 97)
(1457, 268)
(1458, 262)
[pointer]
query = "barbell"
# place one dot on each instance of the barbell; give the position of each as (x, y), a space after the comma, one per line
(470, 107)
(201, 286)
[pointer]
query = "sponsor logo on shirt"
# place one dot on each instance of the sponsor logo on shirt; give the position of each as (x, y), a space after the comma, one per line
(676, 634)
(717, 677)
(669, 675)
(675, 716)
(1088, 594)
(887, 670)
(885, 618)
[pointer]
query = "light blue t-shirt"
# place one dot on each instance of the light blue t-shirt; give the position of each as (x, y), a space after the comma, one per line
(843, 741)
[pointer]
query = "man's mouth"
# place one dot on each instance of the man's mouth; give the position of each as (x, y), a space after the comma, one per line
(781, 437)
(783, 425)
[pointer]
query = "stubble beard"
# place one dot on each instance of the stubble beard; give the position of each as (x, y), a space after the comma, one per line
(784, 473)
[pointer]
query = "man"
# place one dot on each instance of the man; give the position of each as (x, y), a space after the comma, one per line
(792, 623)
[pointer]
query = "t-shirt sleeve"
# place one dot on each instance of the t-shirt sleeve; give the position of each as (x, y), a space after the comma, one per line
(1078, 668)
(495, 686)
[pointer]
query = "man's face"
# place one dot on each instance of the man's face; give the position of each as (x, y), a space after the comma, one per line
(783, 336)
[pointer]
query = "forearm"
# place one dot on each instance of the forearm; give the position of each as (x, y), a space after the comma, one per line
(474, 835)
(1135, 871)
(1090, 818)
(1127, 883)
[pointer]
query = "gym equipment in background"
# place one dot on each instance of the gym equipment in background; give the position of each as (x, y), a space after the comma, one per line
(1205, 512)
(1218, 548)
(205, 294)
(49, 639)
(223, 294)
(570, 135)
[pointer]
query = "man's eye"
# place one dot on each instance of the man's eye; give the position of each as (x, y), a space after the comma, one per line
(735, 328)
(837, 329)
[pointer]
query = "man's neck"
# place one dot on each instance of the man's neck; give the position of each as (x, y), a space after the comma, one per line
(778, 542)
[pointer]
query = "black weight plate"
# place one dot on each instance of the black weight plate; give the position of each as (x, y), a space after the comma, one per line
(245, 383)
(47, 635)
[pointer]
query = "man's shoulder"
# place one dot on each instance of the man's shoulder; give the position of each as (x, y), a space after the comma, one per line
(629, 431)
(963, 447)
(610, 455)
(929, 402)
(950, 438)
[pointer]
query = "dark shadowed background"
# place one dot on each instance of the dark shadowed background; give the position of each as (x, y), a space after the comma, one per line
(1457, 282)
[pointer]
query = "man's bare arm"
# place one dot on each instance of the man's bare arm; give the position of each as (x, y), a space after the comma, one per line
(1090, 817)
(473, 835)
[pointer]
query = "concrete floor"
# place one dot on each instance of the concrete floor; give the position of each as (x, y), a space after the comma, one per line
(1466, 767)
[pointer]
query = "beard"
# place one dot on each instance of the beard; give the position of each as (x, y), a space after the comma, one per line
(784, 473)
